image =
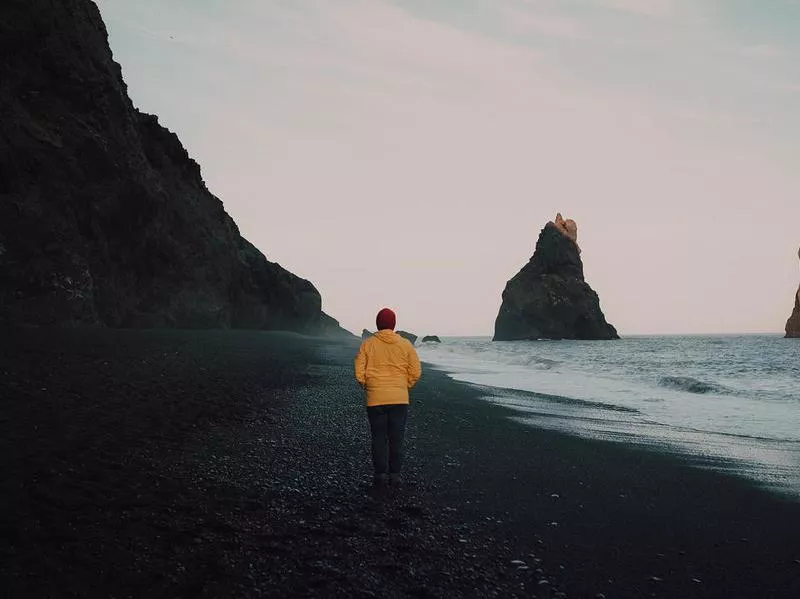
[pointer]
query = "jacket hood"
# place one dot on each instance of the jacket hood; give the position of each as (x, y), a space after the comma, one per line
(388, 336)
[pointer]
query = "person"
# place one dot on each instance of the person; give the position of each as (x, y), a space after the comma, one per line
(386, 367)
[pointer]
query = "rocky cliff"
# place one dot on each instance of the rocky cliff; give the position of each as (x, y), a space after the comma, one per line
(793, 324)
(549, 298)
(104, 217)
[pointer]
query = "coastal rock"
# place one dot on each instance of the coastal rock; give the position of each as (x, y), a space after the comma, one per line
(793, 324)
(431, 338)
(365, 334)
(568, 227)
(549, 297)
(410, 336)
(104, 218)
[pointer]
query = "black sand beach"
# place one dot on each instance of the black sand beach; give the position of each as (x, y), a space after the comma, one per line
(234, 464)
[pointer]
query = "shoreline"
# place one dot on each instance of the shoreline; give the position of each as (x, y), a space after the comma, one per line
(749, 473)
(235, 463)
(710, 414)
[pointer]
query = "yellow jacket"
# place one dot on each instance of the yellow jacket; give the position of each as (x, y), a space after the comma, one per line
(387, 366)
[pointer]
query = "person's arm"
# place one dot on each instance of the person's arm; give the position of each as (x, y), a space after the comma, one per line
(360, 364)
(414, 367)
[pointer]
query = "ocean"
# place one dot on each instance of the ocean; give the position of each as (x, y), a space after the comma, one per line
(729, 403)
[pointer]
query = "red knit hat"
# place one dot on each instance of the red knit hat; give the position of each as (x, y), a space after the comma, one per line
(386, 319)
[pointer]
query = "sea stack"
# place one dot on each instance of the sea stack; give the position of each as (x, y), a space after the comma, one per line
(549, 298)
(411, 337)
(105, 219)
(793, 324)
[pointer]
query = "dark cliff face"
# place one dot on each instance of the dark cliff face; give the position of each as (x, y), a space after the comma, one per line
(104, 217)
(549, 298)
(793, 324)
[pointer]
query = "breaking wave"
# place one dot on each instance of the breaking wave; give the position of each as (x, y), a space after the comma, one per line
(690, 385)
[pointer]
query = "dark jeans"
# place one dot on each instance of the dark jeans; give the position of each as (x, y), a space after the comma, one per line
(388, 425)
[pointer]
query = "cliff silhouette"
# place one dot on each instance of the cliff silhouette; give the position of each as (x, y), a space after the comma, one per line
(104, 217)
(793, 324)
(549, 297)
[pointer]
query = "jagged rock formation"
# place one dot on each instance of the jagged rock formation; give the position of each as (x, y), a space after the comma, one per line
(793, 324)
(549, 298)
(104, 217)
(365, 334)
(431, 339)
(410, 336)
(569, 228)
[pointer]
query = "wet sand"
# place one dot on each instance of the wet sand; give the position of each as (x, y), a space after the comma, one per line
(235, 464)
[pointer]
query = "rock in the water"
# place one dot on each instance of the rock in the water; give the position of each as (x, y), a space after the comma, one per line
(104, 217)
(365, 334)
(549, 298)
(410, 336)
(431, 338)
(793, 324)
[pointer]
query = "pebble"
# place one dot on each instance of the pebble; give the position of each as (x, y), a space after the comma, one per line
(600, 596)
(697, 580)
(543, 582)
(656, 579)
(517, 562)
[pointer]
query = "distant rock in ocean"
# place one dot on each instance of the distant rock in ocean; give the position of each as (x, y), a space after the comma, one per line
(104, 217)
(793, 324)
(549, 298)
(405, 335)
(431, 339)
(410, 336)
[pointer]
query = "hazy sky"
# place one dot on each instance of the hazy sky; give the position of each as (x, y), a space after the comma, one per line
(407, 153)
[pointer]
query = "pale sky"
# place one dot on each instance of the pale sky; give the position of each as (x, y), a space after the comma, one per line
(407, 153)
